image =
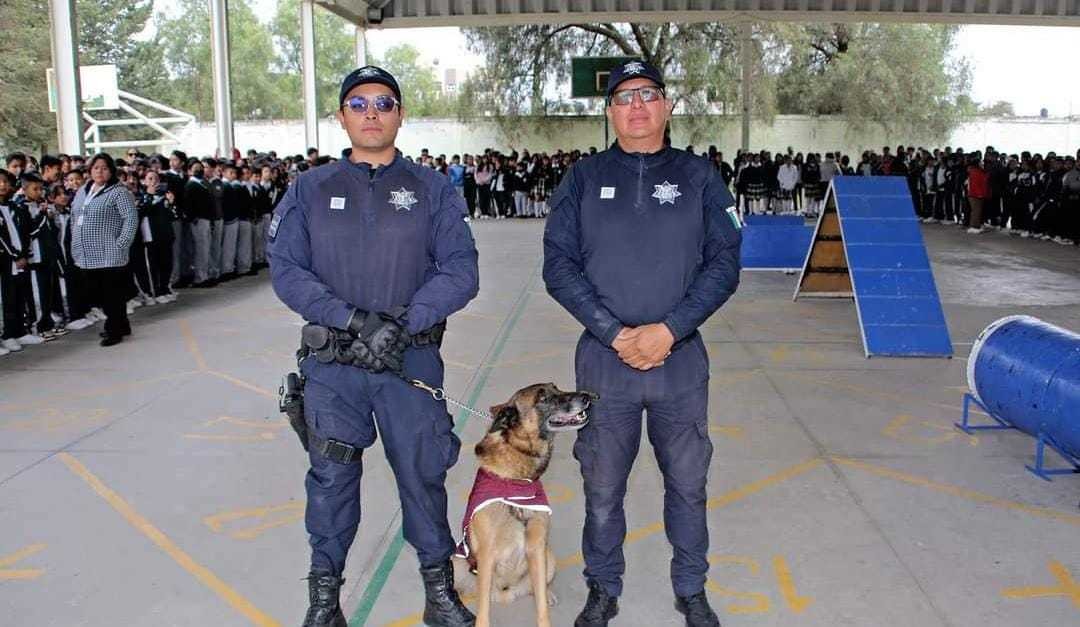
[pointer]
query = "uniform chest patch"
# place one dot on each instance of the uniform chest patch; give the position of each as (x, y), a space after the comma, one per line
(607, 193)
(402, 199)
(666, 193)
(273, 225)
(337, 203)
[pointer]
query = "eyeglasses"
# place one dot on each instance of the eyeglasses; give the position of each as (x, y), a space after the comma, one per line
(626, 96)
(382, 104)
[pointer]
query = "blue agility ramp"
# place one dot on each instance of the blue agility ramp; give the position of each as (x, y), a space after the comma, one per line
(868, 245)
(775, 242)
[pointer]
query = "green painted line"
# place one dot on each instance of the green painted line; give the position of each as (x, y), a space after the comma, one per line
(393, 550)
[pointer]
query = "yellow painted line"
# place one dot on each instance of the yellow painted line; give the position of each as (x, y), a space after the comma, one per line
(261, 437)
(245, 422)
(1067, 587)
(715, 502)
(95, 393)
(750, 563)
(964, 493)
(290, 512)
(757, 486)
(728, 431)
(193, 346)
(243, 384)
(18, 556)
(648, 530)
(759, 603)
(865, 391)
(163, 542)
(797, 604)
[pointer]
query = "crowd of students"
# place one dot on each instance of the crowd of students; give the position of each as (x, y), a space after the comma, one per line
(199, 222)
(1026, 194)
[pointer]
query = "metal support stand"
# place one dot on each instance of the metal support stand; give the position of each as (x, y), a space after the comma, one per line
(307, 71)
(1042, 441)
(219, 45)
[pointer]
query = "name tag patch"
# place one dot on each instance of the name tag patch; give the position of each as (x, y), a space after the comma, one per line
(337, 203)
(274, 225)
(607, 193)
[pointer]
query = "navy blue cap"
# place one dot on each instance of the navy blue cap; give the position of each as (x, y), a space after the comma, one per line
(368, 74)
(635, 68)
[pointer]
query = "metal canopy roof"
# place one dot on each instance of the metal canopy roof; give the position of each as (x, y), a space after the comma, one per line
(417, 13)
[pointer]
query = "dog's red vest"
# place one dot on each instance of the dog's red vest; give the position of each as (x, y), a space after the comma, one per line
(489, 488)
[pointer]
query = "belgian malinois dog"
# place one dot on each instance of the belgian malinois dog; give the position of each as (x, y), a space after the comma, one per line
(505, 552)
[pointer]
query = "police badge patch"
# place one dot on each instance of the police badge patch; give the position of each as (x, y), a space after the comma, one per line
(402, 199)
(666, 193)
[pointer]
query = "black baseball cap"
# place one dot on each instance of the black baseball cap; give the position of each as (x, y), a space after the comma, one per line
(368, 74)
(634, 68)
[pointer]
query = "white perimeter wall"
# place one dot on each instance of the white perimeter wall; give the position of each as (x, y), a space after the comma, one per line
(803, 133)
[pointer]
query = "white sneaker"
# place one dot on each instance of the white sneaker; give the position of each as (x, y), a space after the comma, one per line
(134, 303)
(12, 345)
(148, 300)
(30, 339)
(974, 231)
(162, 300)
(79, 325)
(131, 308)
(96, 314)
(4, 351)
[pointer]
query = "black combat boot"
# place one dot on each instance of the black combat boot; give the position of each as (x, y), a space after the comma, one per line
(697, 611)
(442, 606)
(324, 611)
(599, 608)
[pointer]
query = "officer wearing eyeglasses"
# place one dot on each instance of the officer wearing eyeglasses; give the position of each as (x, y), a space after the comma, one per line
(641, 247)
(368, 246)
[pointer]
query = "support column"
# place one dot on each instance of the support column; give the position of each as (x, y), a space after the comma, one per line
(65, 61)
(219, 46)
(307, 67)
(746, 56)
(361, 46)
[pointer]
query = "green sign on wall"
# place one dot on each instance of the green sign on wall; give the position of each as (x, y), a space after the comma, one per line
(589, 75)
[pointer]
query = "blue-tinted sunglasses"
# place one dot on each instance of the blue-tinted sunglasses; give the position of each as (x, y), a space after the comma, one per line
(382, 103)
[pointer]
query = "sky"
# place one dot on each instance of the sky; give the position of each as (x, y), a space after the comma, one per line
(1011, 63)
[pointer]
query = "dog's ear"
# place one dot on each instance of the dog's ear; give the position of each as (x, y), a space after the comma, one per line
(504, 417)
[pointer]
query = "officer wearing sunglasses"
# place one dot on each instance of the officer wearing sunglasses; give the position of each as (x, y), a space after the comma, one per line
(374, 237)
(641, 247)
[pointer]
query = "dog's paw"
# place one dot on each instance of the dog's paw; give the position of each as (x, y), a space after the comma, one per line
(552, 600)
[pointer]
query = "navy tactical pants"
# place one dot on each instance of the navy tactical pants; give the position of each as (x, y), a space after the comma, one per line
(674, 398)
(346, 403)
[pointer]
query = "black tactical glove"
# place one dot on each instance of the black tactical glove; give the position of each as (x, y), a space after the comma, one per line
(380, 342)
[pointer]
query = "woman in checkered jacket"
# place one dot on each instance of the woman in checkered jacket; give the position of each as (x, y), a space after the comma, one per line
(105, 220)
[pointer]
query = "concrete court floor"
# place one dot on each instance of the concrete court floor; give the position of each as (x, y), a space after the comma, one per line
(154, 483)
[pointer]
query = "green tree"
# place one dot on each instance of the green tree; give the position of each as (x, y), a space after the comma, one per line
(256, 87)
(25, 121)
(108, 31)
(899, 76)
(889, 74)
(334, 55)
(420, 88)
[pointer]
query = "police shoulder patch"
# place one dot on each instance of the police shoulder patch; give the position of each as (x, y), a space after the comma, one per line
(274, 223)
(734, 215)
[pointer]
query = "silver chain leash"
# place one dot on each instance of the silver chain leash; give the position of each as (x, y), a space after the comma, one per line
(439, 394)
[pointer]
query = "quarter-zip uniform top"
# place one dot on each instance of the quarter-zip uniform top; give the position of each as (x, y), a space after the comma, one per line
(372, 227)
(635, 239)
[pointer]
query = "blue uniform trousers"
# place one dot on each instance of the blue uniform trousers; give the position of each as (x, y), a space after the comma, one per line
(674, 398)
(347, 404)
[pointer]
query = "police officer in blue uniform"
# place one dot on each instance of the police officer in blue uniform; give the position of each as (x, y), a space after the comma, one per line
(375, 251)
(641, 247)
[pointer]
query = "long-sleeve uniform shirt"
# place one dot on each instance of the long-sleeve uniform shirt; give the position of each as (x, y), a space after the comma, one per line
(635, 239)
(346, 237)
